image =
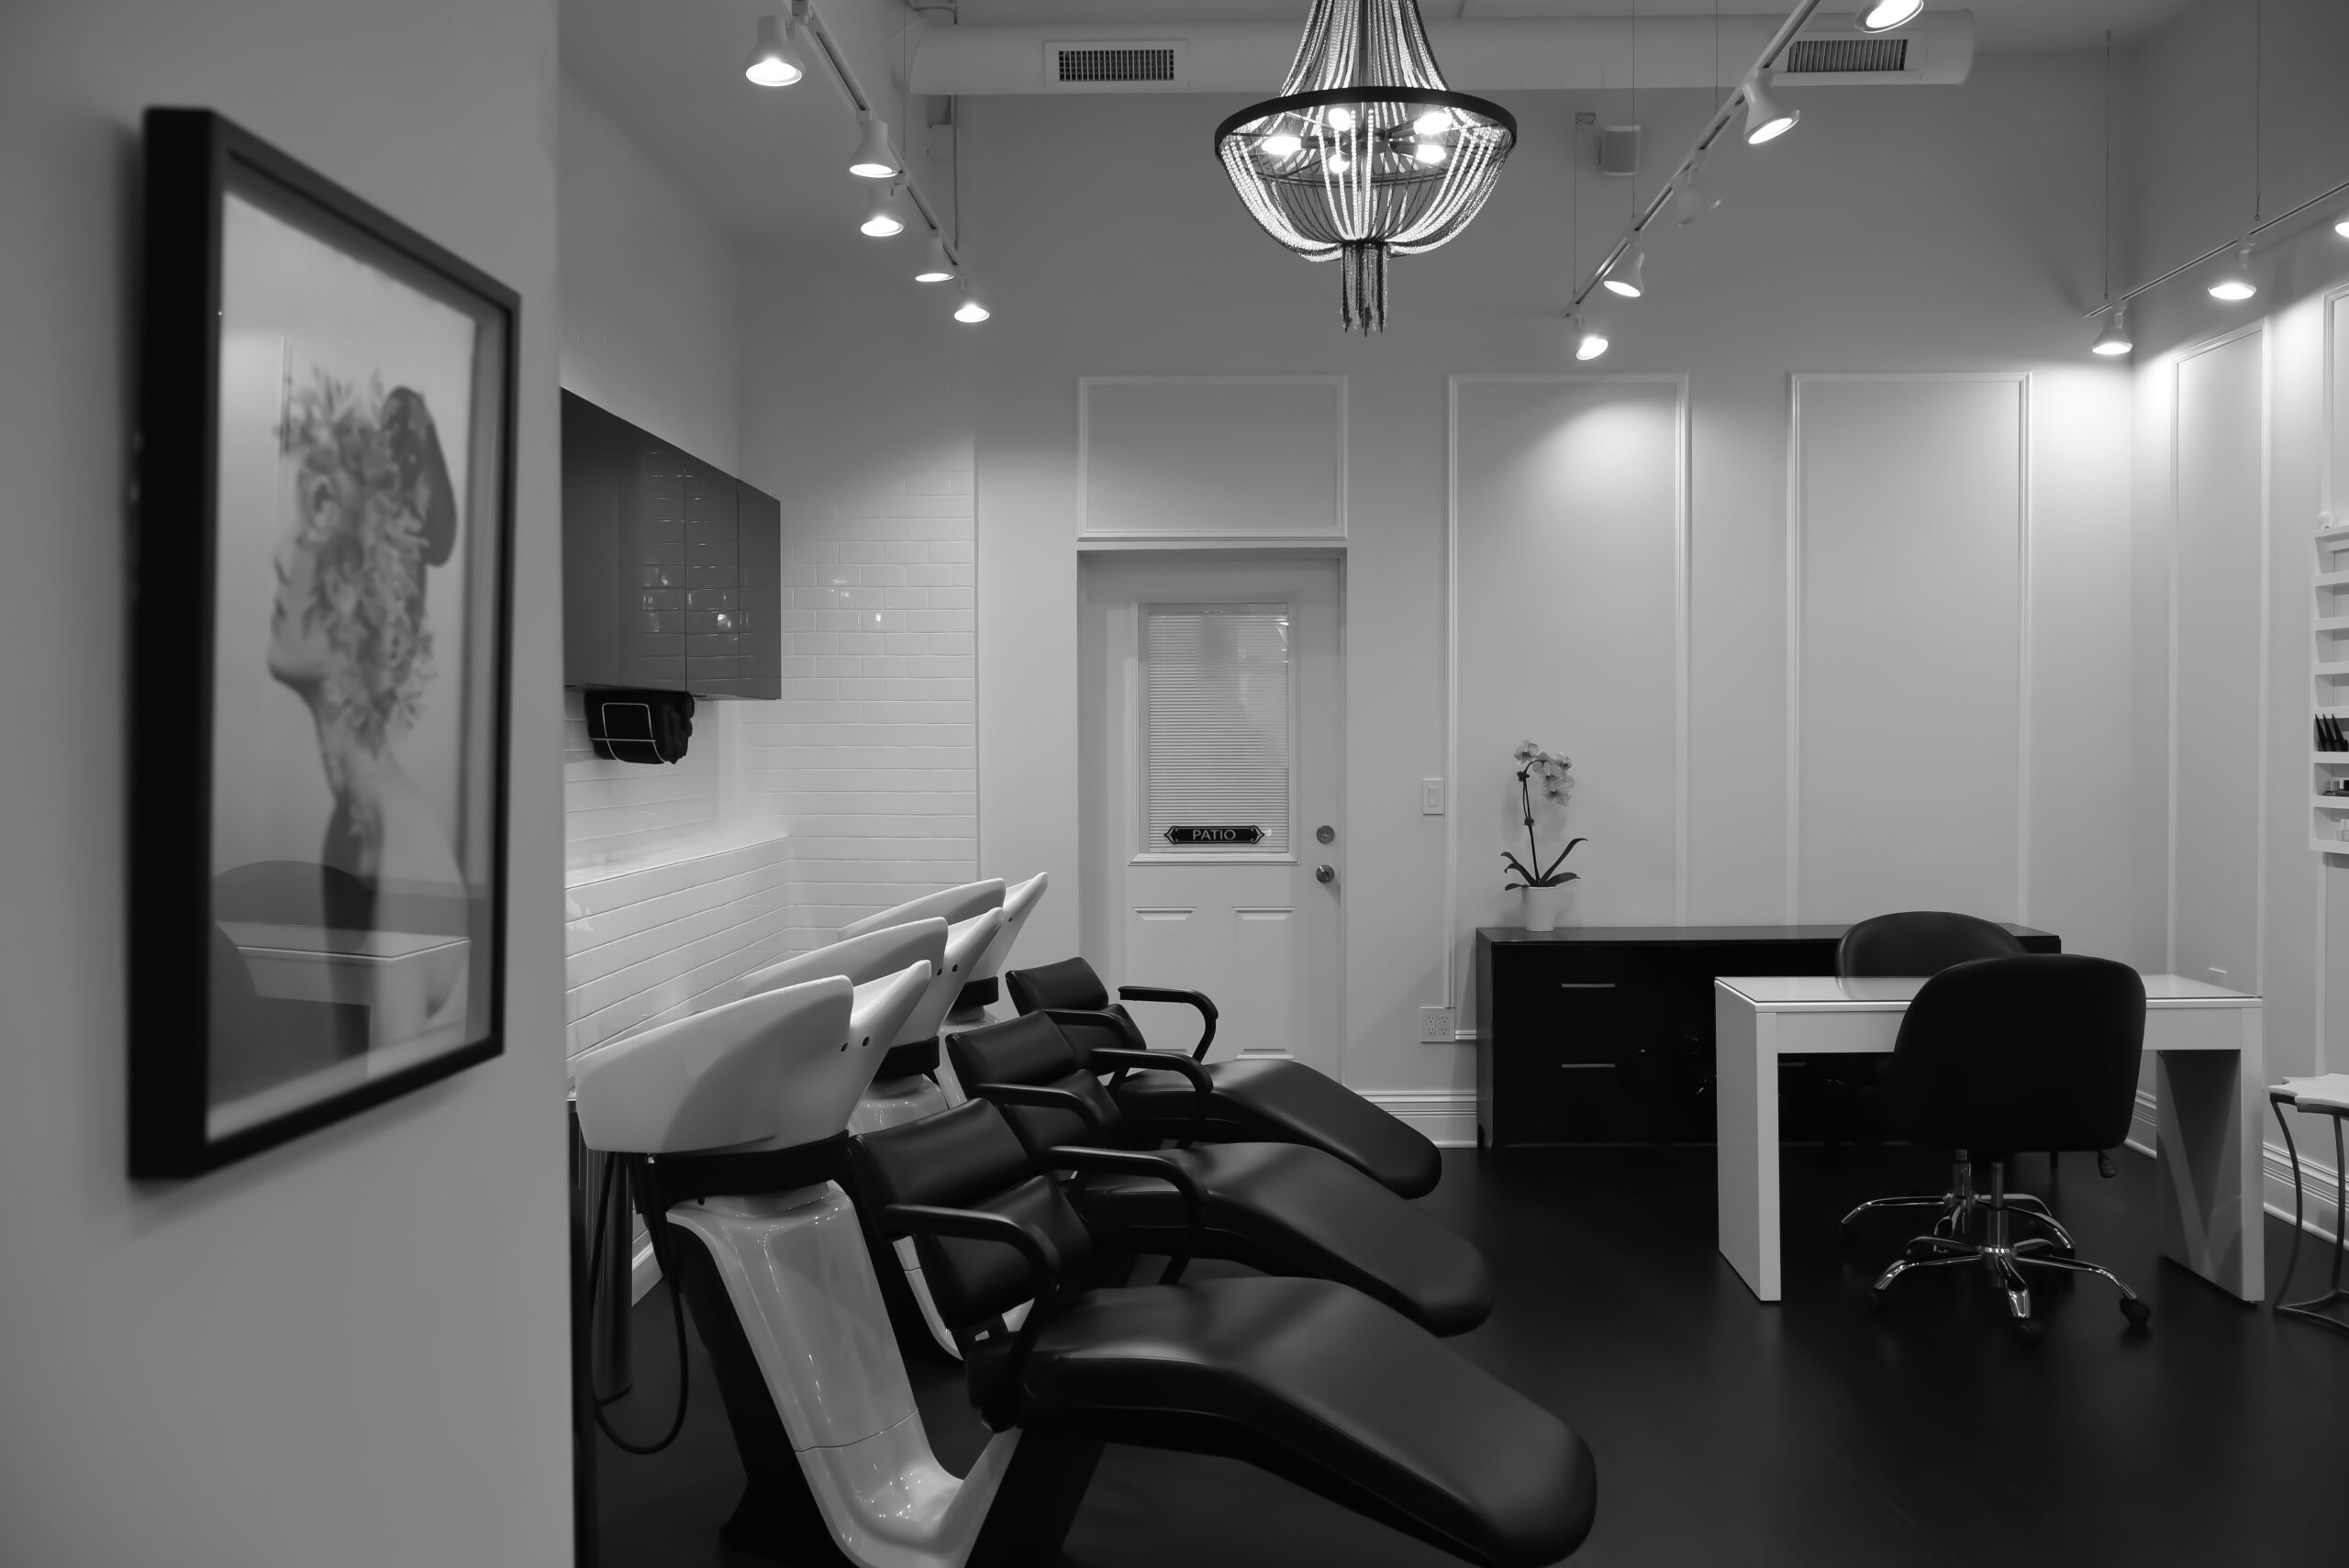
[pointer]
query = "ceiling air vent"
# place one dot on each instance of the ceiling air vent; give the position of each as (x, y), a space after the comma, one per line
(1127, 66)
(1817, 61)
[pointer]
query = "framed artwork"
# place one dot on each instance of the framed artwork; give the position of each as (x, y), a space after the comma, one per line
(321, 600)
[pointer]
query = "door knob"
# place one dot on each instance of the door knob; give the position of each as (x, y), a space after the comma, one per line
(1325, 874)
(1325, 833)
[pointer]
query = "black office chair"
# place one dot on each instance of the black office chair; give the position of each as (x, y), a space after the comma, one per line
(1308, 1379)
(1283, 1208)
(1270, 1099)
(2002, 1055)
(1921, 942)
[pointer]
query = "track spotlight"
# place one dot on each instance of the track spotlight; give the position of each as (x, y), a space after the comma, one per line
(1764, 121)
(2114, 339)
(971, 310)
(937, 266)
(2235, 282)
(1623, 277)
(886, 218)
(876, 158)
(1693, 195)
(1590, 343)
(1882, 16)
(774, 63)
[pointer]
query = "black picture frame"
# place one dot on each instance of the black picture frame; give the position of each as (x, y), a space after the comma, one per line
(266, 1002)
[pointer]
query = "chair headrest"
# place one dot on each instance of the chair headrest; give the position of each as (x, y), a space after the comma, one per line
(1071, 983)
(1027, 1050)
(952, 903)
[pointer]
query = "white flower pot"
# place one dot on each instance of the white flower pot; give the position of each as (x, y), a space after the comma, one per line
(1546, 907)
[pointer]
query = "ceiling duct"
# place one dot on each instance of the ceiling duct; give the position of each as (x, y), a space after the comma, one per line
(1478, 55)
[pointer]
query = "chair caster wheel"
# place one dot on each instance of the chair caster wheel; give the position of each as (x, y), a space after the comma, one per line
(2137, 1311)
(1878, 1296)
(2029, 1330)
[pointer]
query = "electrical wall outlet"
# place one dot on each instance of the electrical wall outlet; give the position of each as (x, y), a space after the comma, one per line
(1436, 1025)
(1430, 798)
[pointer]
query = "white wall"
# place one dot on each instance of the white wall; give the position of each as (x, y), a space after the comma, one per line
(856, 412)
(347, 1350)
(1899, 230)
(2233, 441)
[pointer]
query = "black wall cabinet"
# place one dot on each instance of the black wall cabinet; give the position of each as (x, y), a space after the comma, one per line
(671, 568)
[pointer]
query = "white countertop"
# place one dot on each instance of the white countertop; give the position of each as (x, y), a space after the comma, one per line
(1816, 993)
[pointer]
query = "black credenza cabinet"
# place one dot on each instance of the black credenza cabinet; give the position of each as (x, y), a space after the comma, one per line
(1603, 1034)
(671, 568)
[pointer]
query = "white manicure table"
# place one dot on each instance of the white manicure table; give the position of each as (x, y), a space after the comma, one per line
(2210, 1084)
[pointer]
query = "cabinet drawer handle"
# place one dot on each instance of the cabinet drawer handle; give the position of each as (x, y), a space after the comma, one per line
(1586, 1067)
(1586, 985)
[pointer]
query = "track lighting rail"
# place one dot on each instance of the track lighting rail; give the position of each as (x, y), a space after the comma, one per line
(812, 23)
(1713, 128)
(2215, 251)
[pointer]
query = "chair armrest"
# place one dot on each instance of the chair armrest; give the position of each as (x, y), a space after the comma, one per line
(1207, 1014)
(1042, 1099)
(1202, 1087)
(1104, 1019)
(973, 1225)
(1137, 1163)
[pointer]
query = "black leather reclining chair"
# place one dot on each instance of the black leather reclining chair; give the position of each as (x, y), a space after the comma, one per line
(1308, 1379)
(1285, 1208)
(1264, 1099)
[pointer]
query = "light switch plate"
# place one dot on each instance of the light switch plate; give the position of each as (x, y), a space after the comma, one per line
(1430, 798)
(1436, 1025)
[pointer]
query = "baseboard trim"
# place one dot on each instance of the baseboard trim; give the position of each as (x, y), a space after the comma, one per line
(2321, 1181)
(1448, 1117)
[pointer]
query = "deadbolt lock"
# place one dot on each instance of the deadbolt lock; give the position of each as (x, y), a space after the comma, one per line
(1325, 874)
(1325, 834)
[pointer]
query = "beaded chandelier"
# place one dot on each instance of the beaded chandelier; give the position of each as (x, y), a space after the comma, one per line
(1367, 153)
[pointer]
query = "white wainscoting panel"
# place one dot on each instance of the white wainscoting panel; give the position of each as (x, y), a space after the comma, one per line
(1569, 551)
(2219, 619)
(1908, 606)
(1211, 457)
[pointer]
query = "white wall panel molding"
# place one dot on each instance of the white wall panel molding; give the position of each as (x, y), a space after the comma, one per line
(2201, 500)
(1211, 459)
(1956, 806)
(1448, 1117)
(1575, 487)
(2332, 500)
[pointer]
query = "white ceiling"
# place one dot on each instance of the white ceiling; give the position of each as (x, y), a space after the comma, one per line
(766, 165)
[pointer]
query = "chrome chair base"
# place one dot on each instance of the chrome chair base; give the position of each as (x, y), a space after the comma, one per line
(2315, 1309)
(2003, 1258)
(1960, 1205)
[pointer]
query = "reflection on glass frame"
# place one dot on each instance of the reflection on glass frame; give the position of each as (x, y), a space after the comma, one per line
(321, 620)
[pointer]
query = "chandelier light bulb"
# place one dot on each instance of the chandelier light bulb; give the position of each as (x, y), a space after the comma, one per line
(885, 218)
(1623, 277)
(774, 63)
(971, 310)
(1764, 121)
(1282, 145)
(1882, 16)
(2114, 339)
(1342, 117)
(876, 158)
(2235, 284)
(937, 266)
(1428, 153)
(1435, 122)
(2342, 228)
(1339, 164)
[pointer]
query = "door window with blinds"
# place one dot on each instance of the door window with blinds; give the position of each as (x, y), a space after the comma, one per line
(1216, 738)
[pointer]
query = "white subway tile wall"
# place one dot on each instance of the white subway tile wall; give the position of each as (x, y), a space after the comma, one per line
(865, 774)
(646, 944)
(871, 759)
(617, 813)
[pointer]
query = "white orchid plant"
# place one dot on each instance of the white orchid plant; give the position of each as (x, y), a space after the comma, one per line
(1553, 777)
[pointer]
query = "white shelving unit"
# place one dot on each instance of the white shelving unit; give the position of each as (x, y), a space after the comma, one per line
(2329, 673)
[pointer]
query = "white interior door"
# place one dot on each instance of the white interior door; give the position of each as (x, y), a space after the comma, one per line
(1212, 801)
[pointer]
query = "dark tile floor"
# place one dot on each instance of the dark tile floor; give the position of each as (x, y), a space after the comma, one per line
(1814, 1434)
